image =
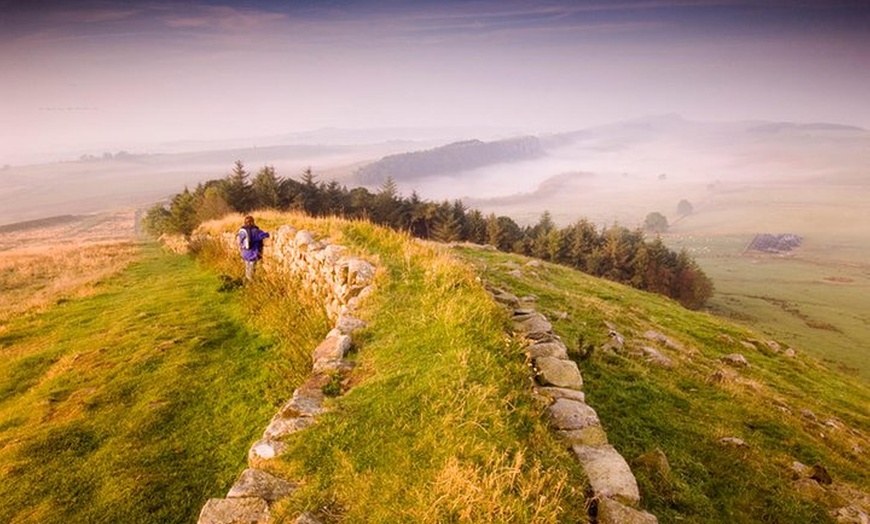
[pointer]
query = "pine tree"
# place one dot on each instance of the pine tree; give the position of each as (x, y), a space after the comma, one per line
(265, 189)
(237, 189)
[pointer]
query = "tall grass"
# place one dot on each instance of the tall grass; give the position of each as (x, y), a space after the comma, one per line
(440, 424)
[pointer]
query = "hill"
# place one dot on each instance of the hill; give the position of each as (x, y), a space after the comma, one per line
(449, 159)
(437, 421)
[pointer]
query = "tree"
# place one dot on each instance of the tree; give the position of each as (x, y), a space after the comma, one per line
(182, 214)
(237, 190)
(684, 208)
(446, 227)
(156, 220)
(265, 191)
(655, 222)
(212, 204)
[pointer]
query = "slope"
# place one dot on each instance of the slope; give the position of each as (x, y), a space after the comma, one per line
(709, 438)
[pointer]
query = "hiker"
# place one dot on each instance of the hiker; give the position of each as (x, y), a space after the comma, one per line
(251, 245)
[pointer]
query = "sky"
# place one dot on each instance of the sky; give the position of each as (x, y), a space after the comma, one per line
(95, 76)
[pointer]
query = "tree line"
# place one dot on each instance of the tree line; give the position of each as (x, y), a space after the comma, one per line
(613, 252)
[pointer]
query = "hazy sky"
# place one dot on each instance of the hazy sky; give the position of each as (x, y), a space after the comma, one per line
(102, 76)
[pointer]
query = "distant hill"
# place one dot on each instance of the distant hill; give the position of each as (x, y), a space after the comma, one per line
(451, 158)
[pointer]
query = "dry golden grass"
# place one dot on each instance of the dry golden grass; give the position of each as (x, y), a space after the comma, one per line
(40, 266)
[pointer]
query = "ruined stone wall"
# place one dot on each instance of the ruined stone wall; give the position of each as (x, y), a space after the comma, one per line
(340, 281)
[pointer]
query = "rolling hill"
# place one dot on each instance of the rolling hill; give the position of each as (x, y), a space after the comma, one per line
(438, 420)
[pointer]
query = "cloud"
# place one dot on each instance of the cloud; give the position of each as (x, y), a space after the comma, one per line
(222, 18)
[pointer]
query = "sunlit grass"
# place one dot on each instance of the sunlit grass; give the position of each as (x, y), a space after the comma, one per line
(684, 411)
(139, 402)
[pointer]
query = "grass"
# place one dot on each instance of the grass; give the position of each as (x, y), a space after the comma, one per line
(816, 299)
(684, 412)
(440, 424)
(138, 402)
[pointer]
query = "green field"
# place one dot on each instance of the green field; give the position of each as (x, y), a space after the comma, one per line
(816, 299)
(138, 402)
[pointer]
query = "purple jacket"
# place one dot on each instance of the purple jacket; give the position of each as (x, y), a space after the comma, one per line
(251, 242)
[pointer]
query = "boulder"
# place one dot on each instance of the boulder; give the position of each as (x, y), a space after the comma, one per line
(248, 510)
(655, 461)
(608, 473)
(263, 451)
(258, 483)
(735, 359)
(557, 372)
(613, 512)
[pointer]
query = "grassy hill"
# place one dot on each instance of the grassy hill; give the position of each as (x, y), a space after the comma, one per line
(138, 400)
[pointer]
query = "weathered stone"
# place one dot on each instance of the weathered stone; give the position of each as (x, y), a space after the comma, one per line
(258, 483)
(735, 359)
(332, 348)
(516, 273)
(655, 461)
(569, 414)
(590, 436)
(800, 470)
(773, 345)
(506, 298)
(655, 357)
(548, 349)
(789, 352)
(347, 324)
(534, 263)
(851, 514)
(555, 393)
(281, 426)
(264, 450)
(306, 518)
(660, 337)
(613, 512)
(360, 272)
(303, 238)
(557, 372)
(534, 327)
(608, 473)
(732, 441)
(307, 400)
(249, 510)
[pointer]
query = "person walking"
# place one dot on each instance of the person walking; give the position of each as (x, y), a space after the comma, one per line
(251, 245)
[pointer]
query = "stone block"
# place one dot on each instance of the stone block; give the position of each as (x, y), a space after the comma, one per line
(608, 473)
(613, 512)
(554, 348)
(333, 347)
(258, 483)
(569, 414)
(280, 427)
(558, 372)
(250, 510)
(590, 436)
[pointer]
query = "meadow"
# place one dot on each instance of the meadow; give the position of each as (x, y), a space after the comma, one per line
(133, 384)
(135, 397)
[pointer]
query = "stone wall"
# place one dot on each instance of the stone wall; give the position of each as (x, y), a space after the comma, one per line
(340, 281)
(614, 490)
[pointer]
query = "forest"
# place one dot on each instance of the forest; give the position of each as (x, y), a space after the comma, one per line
(613, 252)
